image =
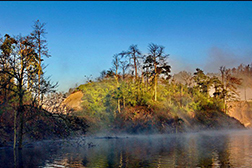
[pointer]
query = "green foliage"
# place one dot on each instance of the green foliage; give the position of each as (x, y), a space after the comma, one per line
(99, 99)
(203, 81)
(140, 113)
(135, 103)
(22, 78)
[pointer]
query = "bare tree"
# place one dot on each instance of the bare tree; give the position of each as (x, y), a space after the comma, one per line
(185, 77)
(133, 54)
(54, 103)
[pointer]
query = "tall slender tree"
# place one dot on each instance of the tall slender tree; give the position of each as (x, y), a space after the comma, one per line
(32, 66)
(116, 64)
(156, 60)
(7, 47)
(124, 65)
(246, 79)
(16, 54)
(38, 36)
(17, 61)
(133, 54)
(229, 85)
(203, 82)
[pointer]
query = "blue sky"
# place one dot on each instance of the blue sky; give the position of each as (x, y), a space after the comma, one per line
(83, 36)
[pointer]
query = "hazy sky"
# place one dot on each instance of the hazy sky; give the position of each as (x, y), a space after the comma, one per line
(83, 36)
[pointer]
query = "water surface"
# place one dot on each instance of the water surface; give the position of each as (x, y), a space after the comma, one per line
(203, 149)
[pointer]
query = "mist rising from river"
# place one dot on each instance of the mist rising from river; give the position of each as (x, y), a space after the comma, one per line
(228, 148)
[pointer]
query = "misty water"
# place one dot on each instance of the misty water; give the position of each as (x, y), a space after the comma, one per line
(202, 149)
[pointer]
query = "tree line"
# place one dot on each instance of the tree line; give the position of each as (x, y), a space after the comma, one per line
(137, 79)
(23, 82)
(136, 87)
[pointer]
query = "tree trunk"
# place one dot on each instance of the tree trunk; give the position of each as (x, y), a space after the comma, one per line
(170, 95)
(135, 68)
(147, 80)
(155, 81)
(15, 130)
(181, 105)
(123, 101)
(28, 77)
(118, 105)
(223, 89)
(118, 99)
(39, 70)
(5, 93)
(21, 115)
(155, 89)
(28, 84)
(20, 136)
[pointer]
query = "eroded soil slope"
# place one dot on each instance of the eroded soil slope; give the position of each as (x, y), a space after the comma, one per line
(242, 111)
(73, 101)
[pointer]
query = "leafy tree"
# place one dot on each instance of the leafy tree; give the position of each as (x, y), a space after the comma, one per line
(98, 99)
(217, 85)
(229, 85)
(7, 47)
(116, 63)
(202, 81)
(124, 65)
(32, 67)
(156, 61)
(16, 55)
(38, 37)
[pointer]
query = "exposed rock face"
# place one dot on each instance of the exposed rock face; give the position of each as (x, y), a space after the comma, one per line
(73, 101)
(242, 111)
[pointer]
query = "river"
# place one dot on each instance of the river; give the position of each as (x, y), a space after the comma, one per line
(202, 149)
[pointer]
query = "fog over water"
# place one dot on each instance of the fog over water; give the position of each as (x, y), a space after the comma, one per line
(203, 149)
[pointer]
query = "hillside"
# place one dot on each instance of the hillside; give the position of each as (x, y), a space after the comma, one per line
(242, 111)
(136, 119)
(73, 101)
(40, 124)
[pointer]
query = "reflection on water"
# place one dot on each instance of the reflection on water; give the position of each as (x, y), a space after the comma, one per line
(204, 149)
